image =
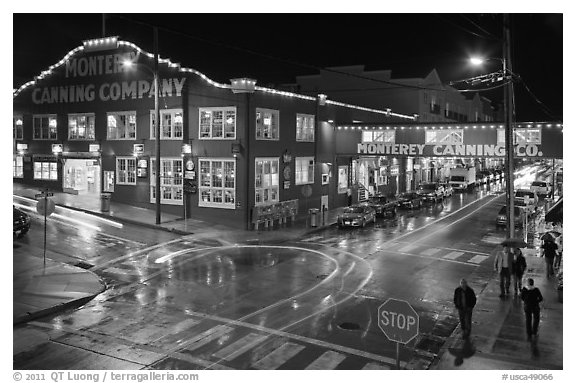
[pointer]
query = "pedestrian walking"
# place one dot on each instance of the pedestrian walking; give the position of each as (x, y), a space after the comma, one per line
(503, 265)
(558, 258)
(465, 300)
(549, 247)
(349, 196)
(532, 297)
(518, 269)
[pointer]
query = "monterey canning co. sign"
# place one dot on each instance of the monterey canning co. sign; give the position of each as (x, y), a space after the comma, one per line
(100, 66)
(528, 150)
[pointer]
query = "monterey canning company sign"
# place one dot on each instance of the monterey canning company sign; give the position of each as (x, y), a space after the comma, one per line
(529, 150)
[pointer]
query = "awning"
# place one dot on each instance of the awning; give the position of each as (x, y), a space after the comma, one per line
(555, 214)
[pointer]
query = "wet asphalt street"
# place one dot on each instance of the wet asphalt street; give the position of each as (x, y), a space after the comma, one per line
(203, 303)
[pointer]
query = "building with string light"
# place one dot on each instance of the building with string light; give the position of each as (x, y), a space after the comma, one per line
(234, 153)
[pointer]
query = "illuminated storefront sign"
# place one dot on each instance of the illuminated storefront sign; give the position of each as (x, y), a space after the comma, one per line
(530, 150)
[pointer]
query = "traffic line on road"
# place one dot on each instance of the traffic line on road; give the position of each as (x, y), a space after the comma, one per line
(206, 337)
(407, 249)
(239, 347)
(327, 361)
(477, 259)
(430, 251)
(278, 357)
(453, 255)
(313, 239)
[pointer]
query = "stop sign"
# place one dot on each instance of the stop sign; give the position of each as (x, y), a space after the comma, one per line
(398, 320)
(45, 206)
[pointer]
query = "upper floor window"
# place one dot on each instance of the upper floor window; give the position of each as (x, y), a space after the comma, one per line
(45, 127)
(304, 170)
(121, 126)
(386, 136)
(217, 123)
(171, 124)
(81, 126)
(18, 130)
(267, 124)
(445, 137)
(305, 127)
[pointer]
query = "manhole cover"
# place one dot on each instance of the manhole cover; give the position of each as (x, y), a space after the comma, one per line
(322, 276)
(349, 326)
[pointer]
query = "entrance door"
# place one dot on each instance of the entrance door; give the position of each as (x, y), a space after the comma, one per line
(81, 176)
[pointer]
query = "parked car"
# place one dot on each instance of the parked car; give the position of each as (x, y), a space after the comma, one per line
(384, 206)
(527, 207)
(21, 222)
(501, 218)
(541, 188)
(431, 191)
(357, 215)
(448, 189)
(409, 200)
(526, 194)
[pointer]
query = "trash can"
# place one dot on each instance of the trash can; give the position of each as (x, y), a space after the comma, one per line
(105, 202)
(313, 217)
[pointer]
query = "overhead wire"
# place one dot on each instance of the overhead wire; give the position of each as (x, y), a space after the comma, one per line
(462, 28)
(479, 27)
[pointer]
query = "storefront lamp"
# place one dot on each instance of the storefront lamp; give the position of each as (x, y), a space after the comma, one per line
(322, 99)
(21, 148)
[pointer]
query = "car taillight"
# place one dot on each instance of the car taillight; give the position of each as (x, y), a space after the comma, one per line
(502, 217)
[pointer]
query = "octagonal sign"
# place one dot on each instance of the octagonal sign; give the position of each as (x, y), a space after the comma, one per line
(398, 320)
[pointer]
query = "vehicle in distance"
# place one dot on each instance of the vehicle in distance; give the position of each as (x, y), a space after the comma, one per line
(528, 195)
(357, 215)
(21, 222)
(501, 219)
(462, 179)
(409, 200)
(384, 206)
(431, 191)
(541, 188)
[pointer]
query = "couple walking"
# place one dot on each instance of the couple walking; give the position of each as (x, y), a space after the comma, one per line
(510, 264)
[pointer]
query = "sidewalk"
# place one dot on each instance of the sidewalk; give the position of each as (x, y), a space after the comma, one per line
(498, 340)
(39, 291)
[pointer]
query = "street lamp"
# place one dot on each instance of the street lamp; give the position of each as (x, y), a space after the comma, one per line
(129, 64)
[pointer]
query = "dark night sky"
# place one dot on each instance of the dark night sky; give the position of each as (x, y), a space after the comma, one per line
(409, 44)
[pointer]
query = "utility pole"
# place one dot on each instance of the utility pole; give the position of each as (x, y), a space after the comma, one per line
(509, 127)
(157, 127)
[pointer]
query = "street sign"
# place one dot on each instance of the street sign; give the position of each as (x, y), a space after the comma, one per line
(45, 207)
(398, 320)
(43, 195)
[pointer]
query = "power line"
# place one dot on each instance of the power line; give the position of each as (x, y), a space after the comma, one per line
(462, 28)
(270, 57)
(479, 27)
(545, 109)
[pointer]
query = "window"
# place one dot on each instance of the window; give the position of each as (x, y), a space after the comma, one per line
(17, 166)
(305, 127)
(527, 136)
(45, 127)
(267, 124)
(18, 130)
(81, 126)
(171, 181)
(126, 171)
(445, 137)
(387, 136)
(121, 126)
(217, 183)
(171, 125)
(46, 171)
(217, 123)
(304, 170)
(266, 181)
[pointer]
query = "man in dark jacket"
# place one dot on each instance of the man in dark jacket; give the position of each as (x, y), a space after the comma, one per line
(550, 248)
(465, 300)
(518, 268)
(532, 297)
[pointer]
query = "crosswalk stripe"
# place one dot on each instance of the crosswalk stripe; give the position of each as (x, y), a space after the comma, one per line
(453, 255)
(327, 361)
(207, 337)
(312, 239)
(239, 347)
(407, 249)
(477, 258)
(278, 357)
(431, 251)
(375, 366)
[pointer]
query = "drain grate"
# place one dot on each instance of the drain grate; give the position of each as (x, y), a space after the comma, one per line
(349, 326)
(322, 276)
(84, 265)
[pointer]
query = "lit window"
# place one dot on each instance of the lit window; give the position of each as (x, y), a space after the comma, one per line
(45, 127)
(171, 125)
(45, 171)
(267, 124)
(17, 166)
(304, 170)
(217, 123)
(445, 137)
(81, 126)
(217, 183)
(121, 126)
(126, 171)
(305, 127)
(18, 130)
(171, 181)
(266, 181)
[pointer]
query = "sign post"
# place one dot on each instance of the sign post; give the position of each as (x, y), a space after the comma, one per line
(46, 207)
(399, 322)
